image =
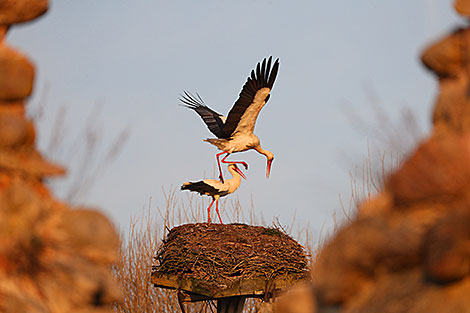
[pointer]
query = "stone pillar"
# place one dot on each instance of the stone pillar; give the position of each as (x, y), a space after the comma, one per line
(408, 249)
(52, 258)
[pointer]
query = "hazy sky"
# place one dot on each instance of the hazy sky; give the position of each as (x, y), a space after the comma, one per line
(136, 57)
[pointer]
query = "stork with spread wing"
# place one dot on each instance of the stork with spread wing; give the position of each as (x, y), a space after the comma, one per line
(235, 132)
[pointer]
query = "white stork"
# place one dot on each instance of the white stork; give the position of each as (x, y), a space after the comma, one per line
(216, 189)
(235, 132)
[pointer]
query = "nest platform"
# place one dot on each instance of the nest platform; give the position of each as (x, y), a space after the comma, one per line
(214, 261)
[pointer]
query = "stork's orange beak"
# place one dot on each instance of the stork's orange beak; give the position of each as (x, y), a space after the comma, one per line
(268, 168)
(239, 172)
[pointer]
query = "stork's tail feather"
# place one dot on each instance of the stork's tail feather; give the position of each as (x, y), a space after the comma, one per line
(211, 140)
(219, 143)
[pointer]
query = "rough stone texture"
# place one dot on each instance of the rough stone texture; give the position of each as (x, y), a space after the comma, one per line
(42, 253)
(92, 233)
(16, 74)
(413, 253)
(447, 248)
(452, 110)
(17, 11)
(463, 7)
(446, 58)
(408, 249)
(297, 300)
(28, 162)
(15, 131)
(3, 32)
(449, 60)
(367, 247)
(437, 172)
(53, 259)
(13, 107)
(408, 292)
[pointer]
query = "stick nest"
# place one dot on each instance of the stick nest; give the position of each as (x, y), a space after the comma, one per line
(224, 253)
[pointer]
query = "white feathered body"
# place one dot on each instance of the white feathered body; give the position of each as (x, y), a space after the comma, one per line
(238, 143)
(215, 188)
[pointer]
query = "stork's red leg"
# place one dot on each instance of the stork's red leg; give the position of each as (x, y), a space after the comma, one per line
(217, 210)
(218, 163)
(237, 162)
(209, 211)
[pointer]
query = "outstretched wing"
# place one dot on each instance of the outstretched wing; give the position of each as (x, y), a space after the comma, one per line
(213, 120)
(255, 93)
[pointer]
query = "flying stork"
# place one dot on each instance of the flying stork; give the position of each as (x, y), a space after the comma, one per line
(235, 132)
(216, 189)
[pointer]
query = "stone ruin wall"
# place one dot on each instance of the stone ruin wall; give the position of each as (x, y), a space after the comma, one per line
(52, 258)
(408, 249)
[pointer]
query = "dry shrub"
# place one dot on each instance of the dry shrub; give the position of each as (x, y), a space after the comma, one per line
(390, 141)
(399, 134)
(369, 179)
(87, 151)
(133, 269)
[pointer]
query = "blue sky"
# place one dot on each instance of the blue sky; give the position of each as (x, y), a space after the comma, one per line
(136, 57)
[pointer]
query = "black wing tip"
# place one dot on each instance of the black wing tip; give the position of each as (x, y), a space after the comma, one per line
(200, 186)
(269, 59)
(191, 185)
(190, 101)
(265, 74)
(273, 73)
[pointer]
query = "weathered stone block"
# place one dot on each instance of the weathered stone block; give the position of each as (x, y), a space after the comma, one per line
(351, 261)
(463, 7)
(29, 162)
(409, 292)
(16, 74)
(91, 233)
(15, 131)
(447, 248)
(447, 57)
(452, 109)
(3, 32)
(17, 11)
(437, 172)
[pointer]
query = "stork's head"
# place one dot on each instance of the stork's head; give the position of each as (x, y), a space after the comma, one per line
(234, 167)
(270, 159)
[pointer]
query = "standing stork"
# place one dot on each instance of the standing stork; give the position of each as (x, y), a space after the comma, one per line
(235, 132)
(216, 189)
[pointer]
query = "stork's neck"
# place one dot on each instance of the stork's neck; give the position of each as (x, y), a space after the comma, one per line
(266, 153)
(235, 181)
(234, 173)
